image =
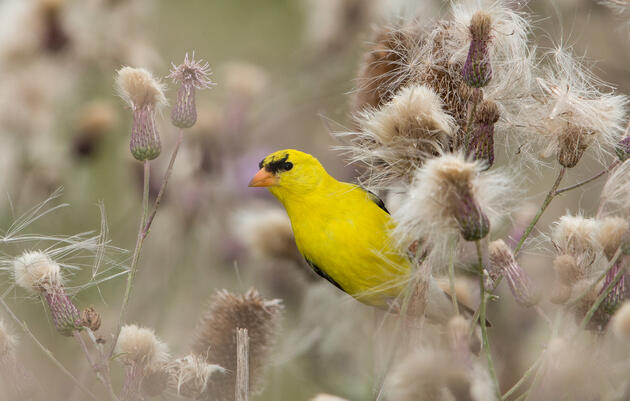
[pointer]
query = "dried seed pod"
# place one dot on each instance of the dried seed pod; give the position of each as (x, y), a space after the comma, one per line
(477, 70)
(482, 136)
(502, 259)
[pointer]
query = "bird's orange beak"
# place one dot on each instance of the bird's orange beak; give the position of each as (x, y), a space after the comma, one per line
(263, 178)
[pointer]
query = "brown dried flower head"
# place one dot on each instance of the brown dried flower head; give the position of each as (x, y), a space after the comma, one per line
(382, 71)
(191, 75)
(90, 318)
(215, 338)
(399, 136)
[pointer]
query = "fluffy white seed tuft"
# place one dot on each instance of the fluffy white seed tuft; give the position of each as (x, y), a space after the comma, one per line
(139, 345)
(35, 271)
(431, 203)
(189, 375)
(139, 88)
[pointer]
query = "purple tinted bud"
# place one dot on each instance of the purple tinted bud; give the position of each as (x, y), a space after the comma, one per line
(477, 70)
(145, 139)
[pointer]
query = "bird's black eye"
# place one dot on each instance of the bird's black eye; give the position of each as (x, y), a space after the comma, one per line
(261, 164)
(288, 166)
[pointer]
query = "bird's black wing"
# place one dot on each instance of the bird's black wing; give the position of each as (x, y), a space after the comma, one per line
(379, 202)
(323, 274)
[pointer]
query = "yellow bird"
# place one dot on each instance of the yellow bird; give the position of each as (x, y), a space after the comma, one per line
(342, 231)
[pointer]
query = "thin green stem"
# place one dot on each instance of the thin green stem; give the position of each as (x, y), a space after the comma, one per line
(482, 319)
(143, 232)
(600, 299)
(47, 351)
(528, 373)
(136, 256)
(101, 374)
(550, 195)
(593, 178)
(535, 382)
(169, 171)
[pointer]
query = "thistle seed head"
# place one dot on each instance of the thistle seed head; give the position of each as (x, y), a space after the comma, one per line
(399, 136)
(612, 234)
(616, 295)
(450, 197)
(144, 94)
(216, 337)
(267, 233)
(139, 89)
(575, 236)
(477, 70)
(567, 270)
(36, 272)
(191, 75)
(502, 260)
(140, 346)
(382, 71)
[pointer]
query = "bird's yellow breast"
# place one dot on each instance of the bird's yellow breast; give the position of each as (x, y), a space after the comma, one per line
(342, 232)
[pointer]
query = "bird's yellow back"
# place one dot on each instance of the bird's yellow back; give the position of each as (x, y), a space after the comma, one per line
(341, 230)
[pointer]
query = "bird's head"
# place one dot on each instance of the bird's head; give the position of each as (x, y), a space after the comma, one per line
(289, 171)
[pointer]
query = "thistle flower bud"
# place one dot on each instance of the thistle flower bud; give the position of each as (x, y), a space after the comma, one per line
(502, 259)
(216, 337)
(191, 75)
(144, 94)
(38, 273)
(482, 136)
(190, 375)
(621, 323)
(477, 70)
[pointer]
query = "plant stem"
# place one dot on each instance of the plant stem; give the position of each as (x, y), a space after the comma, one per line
(47, 352)
(550, 195)
(482, 320)
(593, 178)
(601, 298)
(167, 175)
(242, 365)
(103, 377)
(532, 369)
(136, 255)
(143, 232)
(611, 264)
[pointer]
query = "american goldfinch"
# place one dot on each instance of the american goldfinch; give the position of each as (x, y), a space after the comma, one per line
(342, 231)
